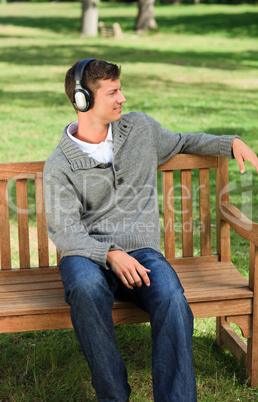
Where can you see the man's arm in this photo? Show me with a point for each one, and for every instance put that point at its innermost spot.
(243, 153)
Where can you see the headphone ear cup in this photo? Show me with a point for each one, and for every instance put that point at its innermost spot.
(82, 99)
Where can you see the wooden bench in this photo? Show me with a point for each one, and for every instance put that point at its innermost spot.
(32, 296)
(107, 31)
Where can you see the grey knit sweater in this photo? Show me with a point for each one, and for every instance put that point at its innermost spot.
(92, 207)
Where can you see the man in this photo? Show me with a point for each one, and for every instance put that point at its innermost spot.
(100, 187)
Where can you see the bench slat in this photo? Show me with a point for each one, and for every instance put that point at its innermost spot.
(202, 266)
(33, 292)
(222, 308)
(27, 287)
(187, 218)
(43, 247)
(187, 161)
(15, 279)
(204, 191)
(22, 170)
(168, 202)
(23, 223)
(4, 227)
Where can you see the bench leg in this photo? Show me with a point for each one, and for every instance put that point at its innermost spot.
(220, 321)
(252, 363)
(226, 337)
(252, 345)
(252, 354)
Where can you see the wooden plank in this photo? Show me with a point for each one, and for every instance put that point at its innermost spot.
(169, 219)
(233, 342)
(22, 170)
(29, 279)
(221, 308)
(53, 289)
(36, 322)
(237, 294)
(193, 260)
(204, 266)
(43, 250)
(187, 161)
(5, 248)
(205, 219)
(29, 271)
(23, 223)
(61, 320)
(33, 305)
(181, 161)
(187, 218)
(217, 275)
(252, 352)
(216, 287)
(222, 197)
(12, 290)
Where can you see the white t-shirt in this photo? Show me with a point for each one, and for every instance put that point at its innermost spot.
(102, 152)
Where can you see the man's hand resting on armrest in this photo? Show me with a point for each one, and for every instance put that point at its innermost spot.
(128, 269)
(243, 153)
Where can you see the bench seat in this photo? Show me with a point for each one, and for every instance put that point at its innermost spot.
(39, 292)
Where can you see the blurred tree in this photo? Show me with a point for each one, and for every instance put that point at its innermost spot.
(89, 19)
(145, 19)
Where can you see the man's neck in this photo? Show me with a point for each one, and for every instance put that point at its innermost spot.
(91, 132)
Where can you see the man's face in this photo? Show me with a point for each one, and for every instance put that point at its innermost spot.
(108, 100)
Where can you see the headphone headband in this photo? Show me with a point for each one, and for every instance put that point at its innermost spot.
(82, 97)
(80, 69)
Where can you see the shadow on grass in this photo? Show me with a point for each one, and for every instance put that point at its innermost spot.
(231, 24)
(60, 55)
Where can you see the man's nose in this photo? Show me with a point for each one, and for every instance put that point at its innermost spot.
(122, 98)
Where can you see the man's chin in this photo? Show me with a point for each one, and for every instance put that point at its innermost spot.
(119, 117)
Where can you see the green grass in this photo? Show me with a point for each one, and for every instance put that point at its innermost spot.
(197, 73)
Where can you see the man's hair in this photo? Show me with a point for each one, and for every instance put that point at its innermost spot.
(93, 72)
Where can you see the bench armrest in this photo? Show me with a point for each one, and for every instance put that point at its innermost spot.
(239, 222)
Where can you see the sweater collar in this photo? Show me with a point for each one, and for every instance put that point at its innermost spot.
(80, 160)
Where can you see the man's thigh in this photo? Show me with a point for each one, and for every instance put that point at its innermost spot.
(80, 273)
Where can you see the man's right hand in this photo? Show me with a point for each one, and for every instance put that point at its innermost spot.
(128, 269)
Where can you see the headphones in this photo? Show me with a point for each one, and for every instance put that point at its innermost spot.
(82, 97)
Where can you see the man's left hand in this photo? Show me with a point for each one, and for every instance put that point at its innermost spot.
(243, 153)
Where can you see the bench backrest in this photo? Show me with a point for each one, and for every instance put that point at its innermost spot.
(22, 207)
(23, 230)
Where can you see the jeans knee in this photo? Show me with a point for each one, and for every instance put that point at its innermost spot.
(172, 305)
(87, 292)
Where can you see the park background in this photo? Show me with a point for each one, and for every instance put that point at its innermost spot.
(197, 72)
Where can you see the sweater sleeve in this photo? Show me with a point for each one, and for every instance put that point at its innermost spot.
(170, 143)
(63, 214)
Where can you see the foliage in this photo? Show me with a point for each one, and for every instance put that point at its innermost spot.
(198, 73)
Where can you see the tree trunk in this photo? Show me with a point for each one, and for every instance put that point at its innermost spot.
(145, 19)
(89, 21)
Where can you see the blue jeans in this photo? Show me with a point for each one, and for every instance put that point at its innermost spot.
(90, 291)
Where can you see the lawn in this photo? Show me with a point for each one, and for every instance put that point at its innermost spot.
(197, 73)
